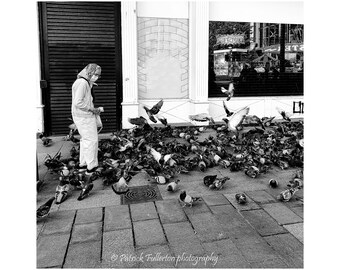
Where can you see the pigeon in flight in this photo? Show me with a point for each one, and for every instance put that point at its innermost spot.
(154, 110)
(285, 115)
(229, 92)
(237, 118)
(229, 113)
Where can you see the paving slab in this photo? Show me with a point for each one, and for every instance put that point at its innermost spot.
(197, 207)
(148, 232)
(261, 196)
(143, 211)
(281, 213)
(298, 210)
(288, 247)
(86, 232)
(170, 211)
(262, 222)
(296, 230)
(228, 255)
(83, 255)
(270, 263)
(59, 222)
(98, 198)
(51, 250)
(39, 229)
(207, 227)
(216, 199)
(157, 256)
(124, 257)
(118, 249)
(182, 239)
(117, 217)
(89, 215)
(234, 225)
(250, 205)
(256, 249)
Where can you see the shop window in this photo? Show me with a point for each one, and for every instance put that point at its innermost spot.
(252, 62)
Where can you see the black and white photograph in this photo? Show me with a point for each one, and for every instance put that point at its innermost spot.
(169, 134)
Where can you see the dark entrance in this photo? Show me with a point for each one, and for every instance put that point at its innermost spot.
(73, 34)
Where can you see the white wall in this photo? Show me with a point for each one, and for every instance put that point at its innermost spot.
(257, 11)
(163, 9)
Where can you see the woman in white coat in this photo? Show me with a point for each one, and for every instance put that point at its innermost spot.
(84, 116)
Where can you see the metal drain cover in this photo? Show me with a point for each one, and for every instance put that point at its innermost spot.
(141, 194)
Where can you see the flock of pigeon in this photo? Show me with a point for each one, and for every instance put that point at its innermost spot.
(166, 152)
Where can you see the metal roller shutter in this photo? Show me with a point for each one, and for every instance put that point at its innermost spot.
(74, 34)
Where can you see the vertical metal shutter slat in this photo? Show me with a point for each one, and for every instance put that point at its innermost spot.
(79, 33)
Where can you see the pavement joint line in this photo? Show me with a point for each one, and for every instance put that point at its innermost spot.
(102, 235)
(69, 240)
(166, 238)
(246, 210)
(273, 234)
(279, 233)
(192, 226)
(132, 228)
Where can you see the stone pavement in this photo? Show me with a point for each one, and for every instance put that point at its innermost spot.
(99, 232)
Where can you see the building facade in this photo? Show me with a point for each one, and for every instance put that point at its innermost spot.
(148, 51)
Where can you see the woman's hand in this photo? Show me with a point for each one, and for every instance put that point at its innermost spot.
(95, 110)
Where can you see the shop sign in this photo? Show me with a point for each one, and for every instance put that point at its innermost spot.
(230, 39)
(289, 48)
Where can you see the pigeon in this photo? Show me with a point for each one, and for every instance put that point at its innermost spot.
(273, 183)
(295, 183)
(209, 179)
(218, 183)
(138, 121)
(285, 115)
(256, 120)
(287, 194)
(160, 179)
(61, 192)
(252, 171)
(45, 140)
(53, 163)
(202, 166)
(229, 113)
(202, 117)
(44, 209)
(237, 118)
(120, 187)
(186, 199)
(154, 110)
(241, 198)
(155, 154)
(229, 92)
(162, 119)
(173, 186)
(87, 187)
(266, 121)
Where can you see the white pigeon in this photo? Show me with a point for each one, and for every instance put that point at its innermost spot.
(173, 186)
(156, 155)
(229, 92)
(237, 118)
